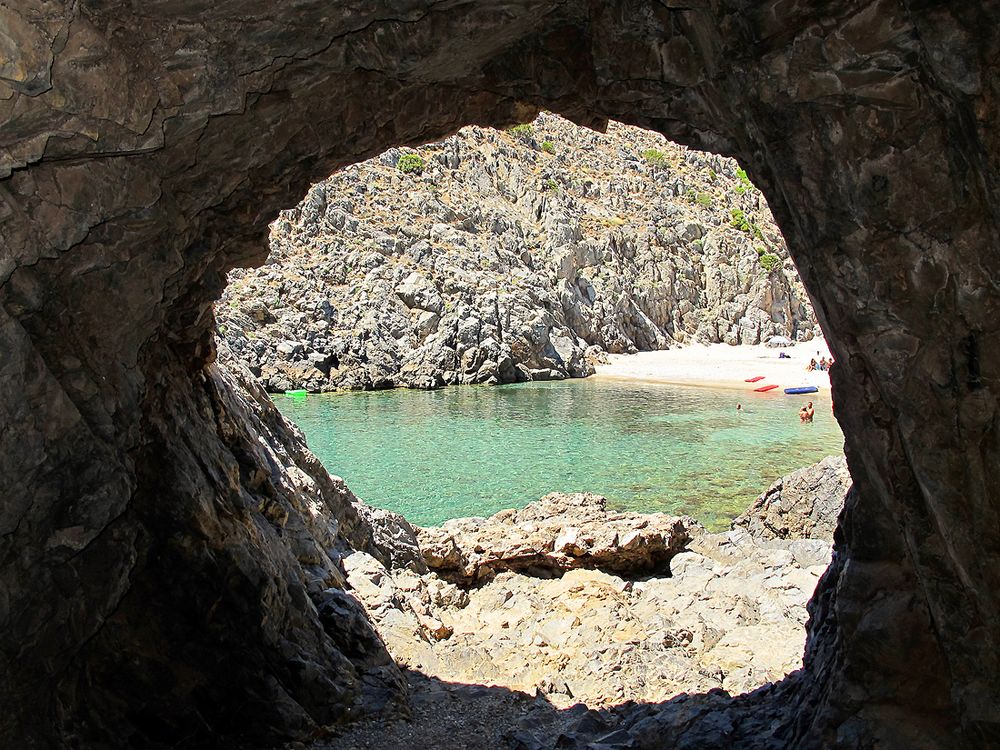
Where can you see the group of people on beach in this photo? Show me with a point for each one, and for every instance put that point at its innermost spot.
(823, 365)
(807, 412)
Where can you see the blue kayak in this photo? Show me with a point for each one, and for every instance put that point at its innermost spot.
(802, 389)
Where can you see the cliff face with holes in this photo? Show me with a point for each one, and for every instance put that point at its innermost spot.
(498, 257)
(145, 150)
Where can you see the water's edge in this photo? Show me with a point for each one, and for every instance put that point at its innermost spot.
(435, 455)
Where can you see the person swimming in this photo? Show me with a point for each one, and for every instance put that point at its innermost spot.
(806, 413)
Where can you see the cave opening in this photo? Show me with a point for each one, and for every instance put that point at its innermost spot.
(534, 255)
(145, 152)
(527, 255)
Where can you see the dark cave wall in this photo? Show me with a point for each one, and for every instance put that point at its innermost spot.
(149, 543)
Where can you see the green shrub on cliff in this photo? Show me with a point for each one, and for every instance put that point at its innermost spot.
(523, 131)
(739, 221)
(548, 147)
(744, 179)
(769, 261)
(702, 199)
(410, 164)
(654, 157)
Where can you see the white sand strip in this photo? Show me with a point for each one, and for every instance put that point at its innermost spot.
(723, 366)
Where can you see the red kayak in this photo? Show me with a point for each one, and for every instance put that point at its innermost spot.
(765, 389)
(754, 380)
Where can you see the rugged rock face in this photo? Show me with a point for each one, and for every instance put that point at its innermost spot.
(731, 615)
(226, 475)
(558, 533)
(145, 150)
(507, 257)
(727, 615)
(805, 504)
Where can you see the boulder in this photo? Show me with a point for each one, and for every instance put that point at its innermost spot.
(417, 291)
(560, 532)
(392, 536)
(803, 505)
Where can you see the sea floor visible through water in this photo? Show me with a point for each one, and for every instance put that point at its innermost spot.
(647, 447)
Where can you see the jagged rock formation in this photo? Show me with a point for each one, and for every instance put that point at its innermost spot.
(507, 258)
(806, 503)
(145, 149)
(227, 474)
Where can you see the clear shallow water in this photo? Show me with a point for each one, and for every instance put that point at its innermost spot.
(473, 450)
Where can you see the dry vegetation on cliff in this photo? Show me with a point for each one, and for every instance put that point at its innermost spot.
(498, 256)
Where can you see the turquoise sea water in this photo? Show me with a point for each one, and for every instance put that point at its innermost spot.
(473, 450)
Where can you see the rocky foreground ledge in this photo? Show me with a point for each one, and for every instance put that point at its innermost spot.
(538, 627)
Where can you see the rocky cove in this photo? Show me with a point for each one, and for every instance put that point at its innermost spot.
(567, 625)
(523, 255)
(171, 555)
(505, 256)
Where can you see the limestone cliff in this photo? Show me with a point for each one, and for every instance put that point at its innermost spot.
(499, 256)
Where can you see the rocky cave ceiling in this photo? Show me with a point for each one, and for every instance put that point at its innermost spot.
(147, 595)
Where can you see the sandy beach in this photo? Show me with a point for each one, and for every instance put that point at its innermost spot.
(723, 366)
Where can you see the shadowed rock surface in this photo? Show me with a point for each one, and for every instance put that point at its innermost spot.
(507, 258)
(147, 598)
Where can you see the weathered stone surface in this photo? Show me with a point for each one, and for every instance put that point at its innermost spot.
(560, 532)
(246, 576)
(145, 150)
(509, 249)
(803, 505)
(392, 536)
(728, 615)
